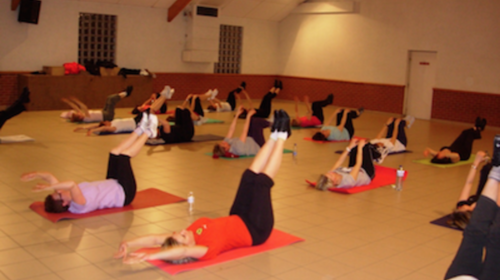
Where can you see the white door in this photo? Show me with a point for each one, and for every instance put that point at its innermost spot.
(421, 79)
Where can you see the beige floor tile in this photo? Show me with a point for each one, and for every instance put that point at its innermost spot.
(378, 234)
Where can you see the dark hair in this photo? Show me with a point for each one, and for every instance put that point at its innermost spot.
(76, 118)
(445, 160)
(323, 183)
(54, 206)
(294, 122)
(318, 136)
(171, 242)
(211, 108)
(218, 151)
(459, 219)
(101, 124)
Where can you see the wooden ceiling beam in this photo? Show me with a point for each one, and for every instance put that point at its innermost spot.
(14, 4)
(175, 8)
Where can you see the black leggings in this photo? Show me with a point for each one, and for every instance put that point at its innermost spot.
(253, 205)
(197, 106)
(317, 109)
(231, 99)
(119, 168)
(256, 130)
(401, 132)
(108, 113)
(182, 131)
(348, 123)
(482, 231)
(367, 163)
(462, 145)
(265, 106)
(13, 110)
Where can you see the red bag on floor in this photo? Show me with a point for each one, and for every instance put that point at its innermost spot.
(72, 68)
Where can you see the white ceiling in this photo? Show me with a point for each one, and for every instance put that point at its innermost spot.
(274, 10)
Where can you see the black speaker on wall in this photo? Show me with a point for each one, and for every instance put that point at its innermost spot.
(29, 11)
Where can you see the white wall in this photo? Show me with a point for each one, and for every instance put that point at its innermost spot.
(372, 45)
(145, 39)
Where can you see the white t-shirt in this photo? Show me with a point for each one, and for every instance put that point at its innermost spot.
(94, 116)
(224, 107)
(123, 125)
(388, 147)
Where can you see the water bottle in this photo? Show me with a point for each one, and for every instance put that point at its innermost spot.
(400, 173)
(294, 151)
(190, 201)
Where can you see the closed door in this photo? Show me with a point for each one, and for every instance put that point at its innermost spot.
(421, 79)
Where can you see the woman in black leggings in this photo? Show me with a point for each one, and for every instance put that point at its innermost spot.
(16, 108)
(461, 148)
(314, 116)
(117, 190)
(482, 234)
(250, 221)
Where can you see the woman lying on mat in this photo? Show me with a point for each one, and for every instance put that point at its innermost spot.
(344, 129)
(193, 101)
(250, 140)
(392, 137)
(314, 116)
(117, 190)
(147, 104)
(250, 221)
(264, 110)
(460, 216)
(127, 124)
(461, 148)
(81, 112)
(479, 253)
(360, 171)
(15, 108)
(229, 105)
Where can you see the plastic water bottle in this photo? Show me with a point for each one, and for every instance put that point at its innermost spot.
(190, 201)
(295, 151)
(400, 173)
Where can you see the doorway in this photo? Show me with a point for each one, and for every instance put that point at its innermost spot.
(420, 83)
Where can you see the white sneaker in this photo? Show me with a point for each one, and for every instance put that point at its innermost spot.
(152, 129)
(209, 94)
(409, 120)
(172, 90)
(165, 92)
(214, 93)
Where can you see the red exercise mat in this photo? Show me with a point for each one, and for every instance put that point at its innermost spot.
(143, 199)
(384, 176)
(276, 240)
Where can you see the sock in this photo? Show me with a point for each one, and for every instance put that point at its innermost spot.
(283, 135)
(138, 130)
(274, 135)
(495, 173)
(123, 94)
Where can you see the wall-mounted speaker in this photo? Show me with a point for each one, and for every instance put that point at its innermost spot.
(29, 11)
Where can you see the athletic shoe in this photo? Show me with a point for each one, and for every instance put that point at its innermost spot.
(409, 120)
(129, 90)
(166, 92)
(284, 122)
(152, 128)
(276, 121)
(243, 85)
(495, 161)
(214, 94)
(329, 99)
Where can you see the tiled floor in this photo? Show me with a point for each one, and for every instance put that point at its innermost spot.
(378, 234)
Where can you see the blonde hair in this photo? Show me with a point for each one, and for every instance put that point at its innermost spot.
(323, 183)
(218, 150)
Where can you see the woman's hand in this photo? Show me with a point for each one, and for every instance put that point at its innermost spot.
(122, 251)
(353, 143)
(251, 112)
(362, 143)
(40, 187)
(30, 176)
(241, 109)
(134, 258)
